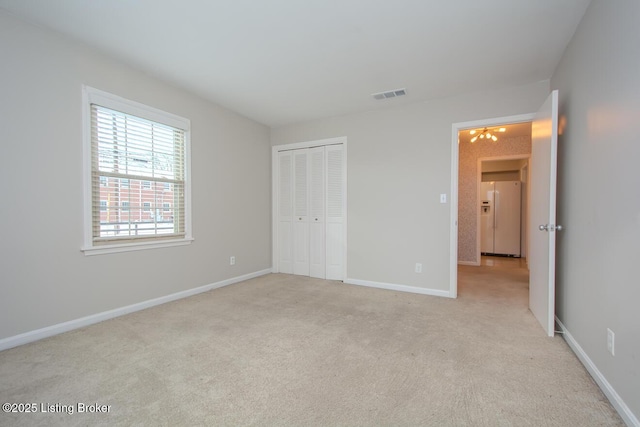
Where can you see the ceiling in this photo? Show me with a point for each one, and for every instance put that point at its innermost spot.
(287, 61)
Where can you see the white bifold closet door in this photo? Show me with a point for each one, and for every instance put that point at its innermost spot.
(301, 212)
(317, 207)
(311, 212)
(285, 212)
(335, 212)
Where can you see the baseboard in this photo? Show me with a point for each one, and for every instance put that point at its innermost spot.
(49, 331)
(474, 263)
(625, 413)
(401, 288)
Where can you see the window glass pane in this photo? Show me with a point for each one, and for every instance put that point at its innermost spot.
(140, 167)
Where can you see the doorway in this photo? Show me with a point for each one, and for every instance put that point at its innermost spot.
(502, 217)
(541, 209)
(503, 200)
(467, 178)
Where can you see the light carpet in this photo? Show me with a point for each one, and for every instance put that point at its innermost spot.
(284, 350)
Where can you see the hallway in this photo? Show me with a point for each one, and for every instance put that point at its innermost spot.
(500, 278)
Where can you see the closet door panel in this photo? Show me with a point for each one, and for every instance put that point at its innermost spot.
(317, 266)
(285, 212)
(301, 212)
(335, 212)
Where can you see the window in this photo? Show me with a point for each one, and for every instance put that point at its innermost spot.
(166, 207)
(136, 148)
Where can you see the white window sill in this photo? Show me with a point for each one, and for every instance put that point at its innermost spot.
(128, 247)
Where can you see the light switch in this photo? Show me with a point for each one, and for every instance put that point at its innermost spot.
(443, 198)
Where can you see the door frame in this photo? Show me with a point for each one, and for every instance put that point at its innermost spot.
(455, 160)
(479, 182)
(341, 140)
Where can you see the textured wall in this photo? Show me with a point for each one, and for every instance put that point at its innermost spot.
(468, 186)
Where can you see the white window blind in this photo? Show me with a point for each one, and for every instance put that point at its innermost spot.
(143, 164)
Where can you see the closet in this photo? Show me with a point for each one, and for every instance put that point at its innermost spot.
(310, 190)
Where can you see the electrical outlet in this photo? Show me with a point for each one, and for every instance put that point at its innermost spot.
(443, 198)
(611, 342)
(418, 267)
(232, 260)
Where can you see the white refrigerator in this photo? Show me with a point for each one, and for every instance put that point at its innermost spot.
(500, 204)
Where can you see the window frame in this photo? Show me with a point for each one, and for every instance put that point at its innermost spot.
(95, 96)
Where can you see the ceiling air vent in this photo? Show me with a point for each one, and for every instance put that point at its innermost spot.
(389, 94)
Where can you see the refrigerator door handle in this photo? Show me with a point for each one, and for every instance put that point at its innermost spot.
(496, 202)
(550, 227)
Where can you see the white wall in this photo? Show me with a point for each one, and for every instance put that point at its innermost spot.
(399, 161)
(44, 277)
(599, 249)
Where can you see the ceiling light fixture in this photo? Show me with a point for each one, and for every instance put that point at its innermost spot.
(485, 134)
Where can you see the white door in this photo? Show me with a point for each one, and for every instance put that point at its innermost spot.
(285, 212)
(542, 237)
(316, 210)
(310, 195)
(336, 211)
(301, 212)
